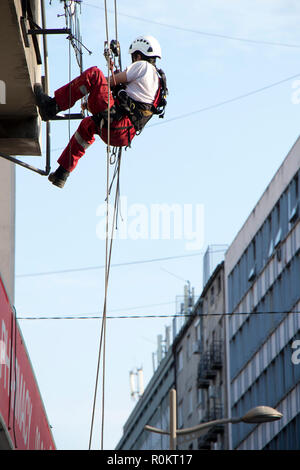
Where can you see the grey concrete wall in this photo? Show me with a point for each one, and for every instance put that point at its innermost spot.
(7, 226)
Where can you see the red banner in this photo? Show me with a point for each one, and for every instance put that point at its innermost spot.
(21, 408)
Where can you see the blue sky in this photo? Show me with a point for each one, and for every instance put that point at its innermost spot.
(222, 159)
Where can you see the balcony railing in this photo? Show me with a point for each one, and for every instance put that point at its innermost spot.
(210, 362)
(205, 441)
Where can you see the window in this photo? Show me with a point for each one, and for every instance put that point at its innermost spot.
(180, 414)
(212, 295)
(254, 250)
(277, 238)
(197, 330)
(270, 239)
(293, 202)
(190, 402)
(200, 397)
(180, 360)
(188, 346)
(219, 284)
(277, 209)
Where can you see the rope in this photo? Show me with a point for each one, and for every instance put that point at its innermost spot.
(70, 96)
(104, 316)
(108, 250)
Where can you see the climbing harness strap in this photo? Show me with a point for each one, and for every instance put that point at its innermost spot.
(160, 101)
(139, 113)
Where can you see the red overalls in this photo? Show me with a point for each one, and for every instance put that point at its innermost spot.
(94, 83)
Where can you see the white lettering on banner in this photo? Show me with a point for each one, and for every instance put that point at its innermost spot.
(16, 381)
(38, 444)
(5, 357)
(23, 404)
(23, 411)
(2, 353)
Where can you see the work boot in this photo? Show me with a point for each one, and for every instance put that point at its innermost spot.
(59, 177)
(48, 107)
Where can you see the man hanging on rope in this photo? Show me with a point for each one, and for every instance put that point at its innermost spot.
(137, 94)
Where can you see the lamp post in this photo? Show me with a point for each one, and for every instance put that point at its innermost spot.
(259, 414)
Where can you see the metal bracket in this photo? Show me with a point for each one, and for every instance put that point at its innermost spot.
(34, 31)
(48, 31)
(47, 169)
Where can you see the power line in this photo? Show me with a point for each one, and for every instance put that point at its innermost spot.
(204, 33)
(134, 317)
(128, 263)
(228, 101)
(221, 103)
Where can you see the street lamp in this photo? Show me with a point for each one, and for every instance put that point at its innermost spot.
(259, 414)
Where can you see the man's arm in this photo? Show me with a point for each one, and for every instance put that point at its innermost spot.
(118, 78)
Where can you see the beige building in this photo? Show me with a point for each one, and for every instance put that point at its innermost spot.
(7, 226)
(212, 364)
(200, 367)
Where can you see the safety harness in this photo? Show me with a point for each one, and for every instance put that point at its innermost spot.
(139, 113)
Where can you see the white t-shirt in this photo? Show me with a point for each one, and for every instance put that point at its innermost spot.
(142, 81)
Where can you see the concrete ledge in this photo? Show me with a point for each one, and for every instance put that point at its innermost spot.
(20, 136)
(19, 126)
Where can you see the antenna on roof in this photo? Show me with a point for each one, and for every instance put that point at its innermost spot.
(136, 379)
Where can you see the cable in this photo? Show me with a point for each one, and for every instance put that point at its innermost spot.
(134, 317)
(128, 263)
(228, 101)
(204, 33)
(221, 103)
(138, 307)
(108, 247)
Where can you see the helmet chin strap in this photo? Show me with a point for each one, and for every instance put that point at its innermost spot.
(135, 57)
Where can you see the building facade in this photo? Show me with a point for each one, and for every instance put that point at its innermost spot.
(186, 356)
(262, 272)
(195, 366)
(7, 227)
(212, 375)
(152, 409)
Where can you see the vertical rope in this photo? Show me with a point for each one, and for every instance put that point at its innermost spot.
(103, 328)
(108, 251)
(70, 91)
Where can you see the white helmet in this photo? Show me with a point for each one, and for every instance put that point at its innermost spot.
(147, 45)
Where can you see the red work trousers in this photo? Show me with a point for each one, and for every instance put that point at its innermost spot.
(93, 83)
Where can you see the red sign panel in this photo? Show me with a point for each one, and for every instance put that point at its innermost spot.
(21, 408)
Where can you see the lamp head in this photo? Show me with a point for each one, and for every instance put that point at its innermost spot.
(261, 414)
